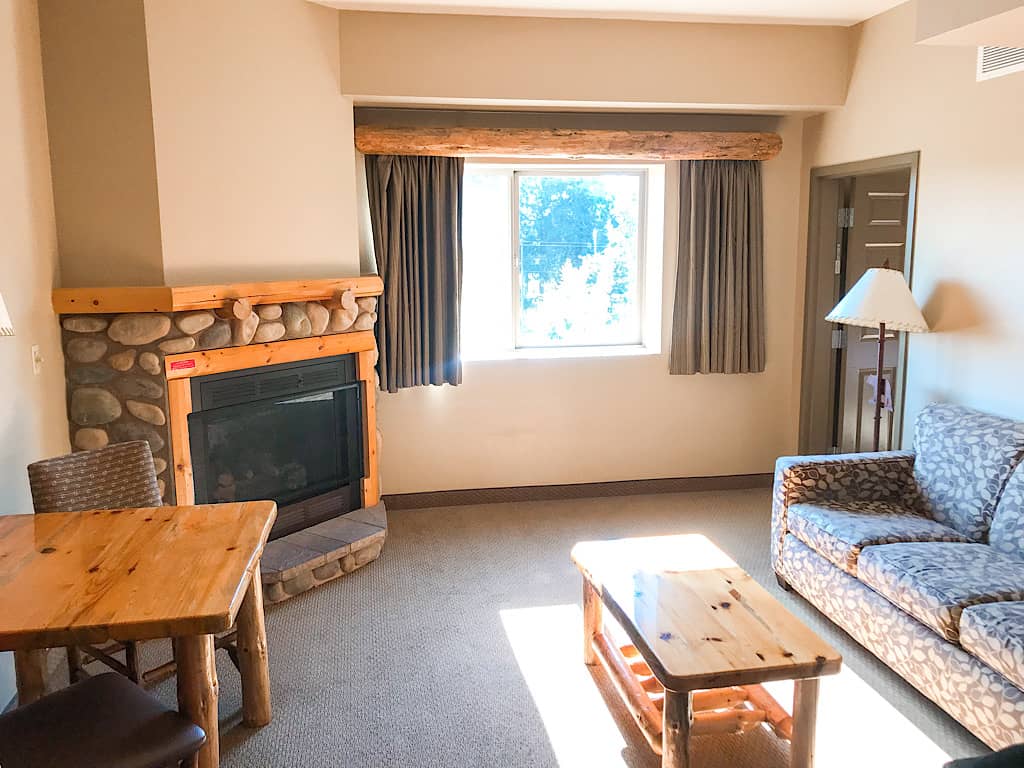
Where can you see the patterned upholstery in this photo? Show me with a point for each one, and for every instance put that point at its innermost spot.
(840, 532)
(1007, 531)
(994, 632)
(833, 521)
(887, 476)
(964, 458)
(934, 582)
(980, 698)
(120, 475)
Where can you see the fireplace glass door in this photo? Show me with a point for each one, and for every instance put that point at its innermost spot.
(301, 447)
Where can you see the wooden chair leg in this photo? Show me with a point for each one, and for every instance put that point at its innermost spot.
(30, 674)
(131, 658)
(75, 671)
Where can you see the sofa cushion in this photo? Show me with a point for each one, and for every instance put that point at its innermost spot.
(994, 632)
(840, 531)
(1007, 531)
(935, 581)
(963, 460)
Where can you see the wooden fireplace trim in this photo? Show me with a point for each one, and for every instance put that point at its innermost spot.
(167, 298)
(182, 367)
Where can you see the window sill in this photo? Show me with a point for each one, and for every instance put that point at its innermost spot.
(560, 353)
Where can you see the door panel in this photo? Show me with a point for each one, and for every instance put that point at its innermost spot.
(878, 235)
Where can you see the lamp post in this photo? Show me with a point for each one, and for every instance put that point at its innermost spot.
(880, 299)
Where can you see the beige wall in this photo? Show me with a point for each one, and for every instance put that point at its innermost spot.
(101, 142)
(967, 269)
(534, 422)
(979, 22)
(199, 141)
(443, 58)
(254, 140)
(32, 421)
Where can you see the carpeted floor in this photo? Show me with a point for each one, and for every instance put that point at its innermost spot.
(460, 646)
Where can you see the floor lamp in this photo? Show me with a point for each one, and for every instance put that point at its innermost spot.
(880, 299)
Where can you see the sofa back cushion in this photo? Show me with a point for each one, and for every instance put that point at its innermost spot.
(1007, 531)
(964, 458)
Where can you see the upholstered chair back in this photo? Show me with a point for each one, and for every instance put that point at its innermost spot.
(119, 475)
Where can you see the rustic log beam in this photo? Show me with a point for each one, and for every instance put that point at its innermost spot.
(644, 712)
(727, 721)
(779, 719)
(252, 656)
(198, 691)
(576, 144)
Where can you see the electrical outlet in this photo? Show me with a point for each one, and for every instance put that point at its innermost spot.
(37, 359)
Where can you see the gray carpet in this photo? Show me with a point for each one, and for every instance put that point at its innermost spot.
(418, 659)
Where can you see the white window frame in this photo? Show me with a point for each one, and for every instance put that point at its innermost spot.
(517, 254)
(650, 236)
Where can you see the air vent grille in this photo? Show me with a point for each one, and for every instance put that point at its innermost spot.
(996, 61)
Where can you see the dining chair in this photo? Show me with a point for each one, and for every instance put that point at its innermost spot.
(121, 475)
(101, 722)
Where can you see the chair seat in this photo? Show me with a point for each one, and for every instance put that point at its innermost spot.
(935, 582)
(840, 532)
(103, 722)
(994, 632)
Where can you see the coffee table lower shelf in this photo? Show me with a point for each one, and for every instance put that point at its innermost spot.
(737, 709)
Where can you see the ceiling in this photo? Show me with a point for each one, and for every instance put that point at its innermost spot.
(842, 12)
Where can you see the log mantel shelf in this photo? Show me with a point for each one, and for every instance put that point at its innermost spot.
(165, 298)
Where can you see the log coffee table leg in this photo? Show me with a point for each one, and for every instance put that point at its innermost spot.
(592, 616)
(28, 671)
(805, 714)
(253, 663)
(675, 735)
(198, 691)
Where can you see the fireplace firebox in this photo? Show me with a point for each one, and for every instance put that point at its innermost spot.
(292, 433)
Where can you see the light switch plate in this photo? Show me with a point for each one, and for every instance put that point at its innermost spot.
(37, 359)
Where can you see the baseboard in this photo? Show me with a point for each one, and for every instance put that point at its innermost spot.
(575, 491)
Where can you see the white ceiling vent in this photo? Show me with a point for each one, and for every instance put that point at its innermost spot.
(996, 61)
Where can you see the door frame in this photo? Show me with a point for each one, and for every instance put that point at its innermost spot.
(820, 176)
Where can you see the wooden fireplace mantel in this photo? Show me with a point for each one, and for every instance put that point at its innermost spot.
(166, 298)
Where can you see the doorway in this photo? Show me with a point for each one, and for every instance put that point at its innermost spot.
(861, 216)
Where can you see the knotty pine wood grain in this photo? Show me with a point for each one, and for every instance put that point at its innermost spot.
(697, 619)
(271, 353)
(168, 298)
(583, 144)
(134, 574)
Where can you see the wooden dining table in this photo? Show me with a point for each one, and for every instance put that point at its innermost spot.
(184, 573)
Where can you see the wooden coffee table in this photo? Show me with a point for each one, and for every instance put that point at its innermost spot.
(704, 636)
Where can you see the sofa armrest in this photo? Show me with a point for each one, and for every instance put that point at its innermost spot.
(885, 476)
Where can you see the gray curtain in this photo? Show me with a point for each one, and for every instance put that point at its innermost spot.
(416, 215)
(718, 317)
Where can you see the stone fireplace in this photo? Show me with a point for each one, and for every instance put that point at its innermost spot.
(249, 391)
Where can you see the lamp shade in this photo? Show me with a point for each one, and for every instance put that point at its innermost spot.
(6, 327)
(880, 296)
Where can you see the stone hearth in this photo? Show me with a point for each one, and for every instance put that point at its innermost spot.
(308, 558)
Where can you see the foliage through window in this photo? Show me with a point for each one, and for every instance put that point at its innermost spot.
(570, 243)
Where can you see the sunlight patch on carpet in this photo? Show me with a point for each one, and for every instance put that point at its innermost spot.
(857, 727)
(548, 646)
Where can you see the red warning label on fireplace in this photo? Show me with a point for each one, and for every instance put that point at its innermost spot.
(181, 365)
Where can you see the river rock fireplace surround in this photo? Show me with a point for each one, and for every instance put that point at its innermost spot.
(257, 390)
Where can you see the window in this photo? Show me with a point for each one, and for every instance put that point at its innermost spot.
(554, 259)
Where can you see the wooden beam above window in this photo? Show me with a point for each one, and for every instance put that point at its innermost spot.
(576, 144)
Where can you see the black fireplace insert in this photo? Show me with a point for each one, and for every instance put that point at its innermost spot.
(292, 433)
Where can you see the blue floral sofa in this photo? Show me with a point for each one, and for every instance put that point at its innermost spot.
(919, 555)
